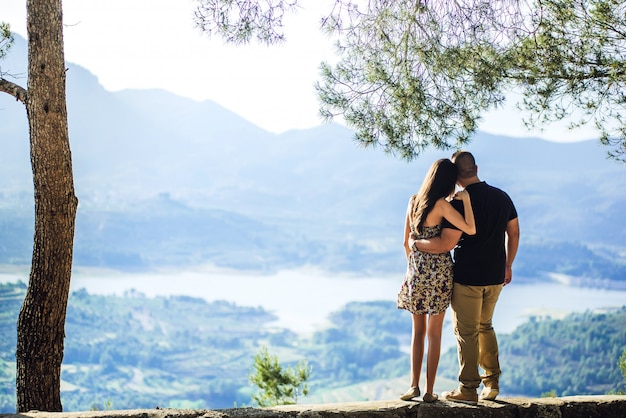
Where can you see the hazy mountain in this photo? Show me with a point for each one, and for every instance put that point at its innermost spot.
(163, 179)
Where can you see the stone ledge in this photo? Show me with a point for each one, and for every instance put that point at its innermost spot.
(565, 407)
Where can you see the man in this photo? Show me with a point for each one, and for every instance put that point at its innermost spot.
(482, 266)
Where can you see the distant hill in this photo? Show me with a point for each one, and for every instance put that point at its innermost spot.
(165, 180)
(131, 351)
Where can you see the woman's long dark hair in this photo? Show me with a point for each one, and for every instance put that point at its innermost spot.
(439, 182)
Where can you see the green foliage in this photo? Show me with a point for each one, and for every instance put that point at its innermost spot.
(573, 64)
(363, 344)
(550, 394)
(11, 297)
(237, 21)
(405, 80)
(6, 39)
(622, 366)
(106, 406)
(413, 75)
(278, 385)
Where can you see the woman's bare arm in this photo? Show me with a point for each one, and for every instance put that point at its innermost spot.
(467, 224)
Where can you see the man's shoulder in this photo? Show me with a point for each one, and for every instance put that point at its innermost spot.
(496, 190)
(483, 185)
(503, 200)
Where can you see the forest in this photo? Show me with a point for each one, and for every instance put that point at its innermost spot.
(131, 351)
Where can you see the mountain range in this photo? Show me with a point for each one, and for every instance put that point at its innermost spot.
(166, 180)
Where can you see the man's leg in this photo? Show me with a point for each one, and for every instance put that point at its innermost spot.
(488, 343)
(466, 308)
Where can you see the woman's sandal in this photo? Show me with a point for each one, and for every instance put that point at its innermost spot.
(414, 392)
(430, 397)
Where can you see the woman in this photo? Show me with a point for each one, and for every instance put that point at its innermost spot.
(427, 286)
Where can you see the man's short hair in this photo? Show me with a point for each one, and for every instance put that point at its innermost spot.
(465, 163)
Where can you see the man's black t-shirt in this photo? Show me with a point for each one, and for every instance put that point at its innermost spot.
(480, 260)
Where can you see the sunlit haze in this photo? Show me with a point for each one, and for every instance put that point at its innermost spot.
(144, 44)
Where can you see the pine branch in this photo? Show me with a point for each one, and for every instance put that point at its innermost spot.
(14, 90)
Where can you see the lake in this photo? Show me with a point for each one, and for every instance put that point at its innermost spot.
(303, 298)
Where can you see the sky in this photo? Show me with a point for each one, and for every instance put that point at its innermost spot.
(145, 44)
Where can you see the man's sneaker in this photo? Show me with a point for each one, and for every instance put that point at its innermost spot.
(490, 391)
(457, 396)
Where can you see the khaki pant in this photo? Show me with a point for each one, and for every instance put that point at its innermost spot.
(472, 311)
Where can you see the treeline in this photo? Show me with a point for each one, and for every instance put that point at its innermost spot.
(576, 356)
(364, 343)
(183, 352)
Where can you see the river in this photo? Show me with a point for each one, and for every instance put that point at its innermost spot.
(303, 298)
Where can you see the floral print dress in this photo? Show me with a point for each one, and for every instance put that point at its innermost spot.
(427, 286)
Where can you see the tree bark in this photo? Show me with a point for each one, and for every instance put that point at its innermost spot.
(41, 323)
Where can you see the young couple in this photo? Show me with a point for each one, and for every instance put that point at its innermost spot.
(480, 223)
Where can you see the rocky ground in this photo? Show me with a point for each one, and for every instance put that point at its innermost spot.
(570, 407)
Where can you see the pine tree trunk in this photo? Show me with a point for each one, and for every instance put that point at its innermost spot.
(41, 323)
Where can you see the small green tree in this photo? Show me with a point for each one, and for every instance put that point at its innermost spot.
(550, 394)
(278, 385)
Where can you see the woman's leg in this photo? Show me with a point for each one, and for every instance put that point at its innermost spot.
(417, 348)
(435, 326)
